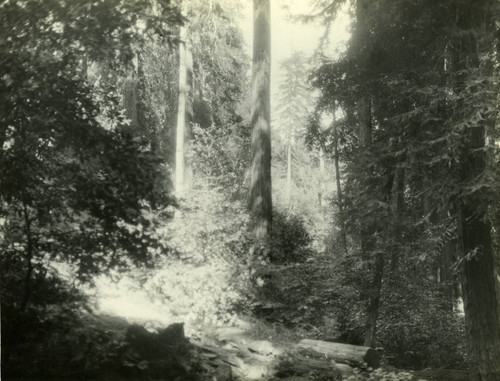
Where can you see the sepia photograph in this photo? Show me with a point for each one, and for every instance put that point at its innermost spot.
(240, 190)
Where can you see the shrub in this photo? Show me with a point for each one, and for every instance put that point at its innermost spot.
(417, 331)
(290, 241)
(209, 276)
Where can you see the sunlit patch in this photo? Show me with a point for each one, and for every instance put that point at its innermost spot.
(124, 299)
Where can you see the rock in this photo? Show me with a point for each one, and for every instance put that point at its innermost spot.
(172, 335)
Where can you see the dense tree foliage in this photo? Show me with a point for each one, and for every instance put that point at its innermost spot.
(418, 141)
(80, 195)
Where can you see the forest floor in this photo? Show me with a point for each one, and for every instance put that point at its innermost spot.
(248, 349)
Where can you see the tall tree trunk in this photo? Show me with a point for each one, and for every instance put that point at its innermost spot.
(28, 287)
(180, 141)
(480, 302)
(374, 300)
(188, 133)
(261, 201)
(367, 230)
(340, 197)
(289, 173)
(478, 276)
(377, 255)
(368, 244)
(365, 121)
(321, 191)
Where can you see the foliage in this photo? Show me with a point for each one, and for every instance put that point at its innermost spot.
(221, 156)
(79, 345)
(73, 184)
(157, 79)
(420, 124)
(290, 240)
(79, 196)
(32, 339)
(210, 277)
(219, 60)
(294, 102)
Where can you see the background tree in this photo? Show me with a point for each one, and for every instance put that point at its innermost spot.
(292, 110)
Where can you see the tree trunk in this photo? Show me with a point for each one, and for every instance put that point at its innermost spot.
(29, 258)
(188, 132)
(289, 173)
(183, 171)
(367, 231)
(181, 116)
(321, 191)
(365, 121)
(478, 276)
(340, 198)
(261, 201)
(480, 302)
(374, 300)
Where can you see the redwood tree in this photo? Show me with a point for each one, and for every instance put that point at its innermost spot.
(472, 25)
(261, 201)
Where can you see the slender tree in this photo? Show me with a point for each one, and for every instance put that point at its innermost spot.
(293, 107)
(340, 198)
(180, 141)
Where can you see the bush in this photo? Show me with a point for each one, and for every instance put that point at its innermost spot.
(209, 277)
(417, 332)
(34, 338)
(290, 241)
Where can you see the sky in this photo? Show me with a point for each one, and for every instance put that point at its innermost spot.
(288, 36)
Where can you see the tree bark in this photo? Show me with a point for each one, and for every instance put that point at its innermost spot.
(365, 121)
(321, 158)
(289, 173)
(340, 197)
(478, 276)
(29, 258)
(374, 300)
(188, 133)
(261, 201)
(368, 244)
(181, 115)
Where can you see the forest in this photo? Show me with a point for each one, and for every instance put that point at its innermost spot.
(343, 226)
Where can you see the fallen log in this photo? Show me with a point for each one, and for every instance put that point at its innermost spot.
(344, 353)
